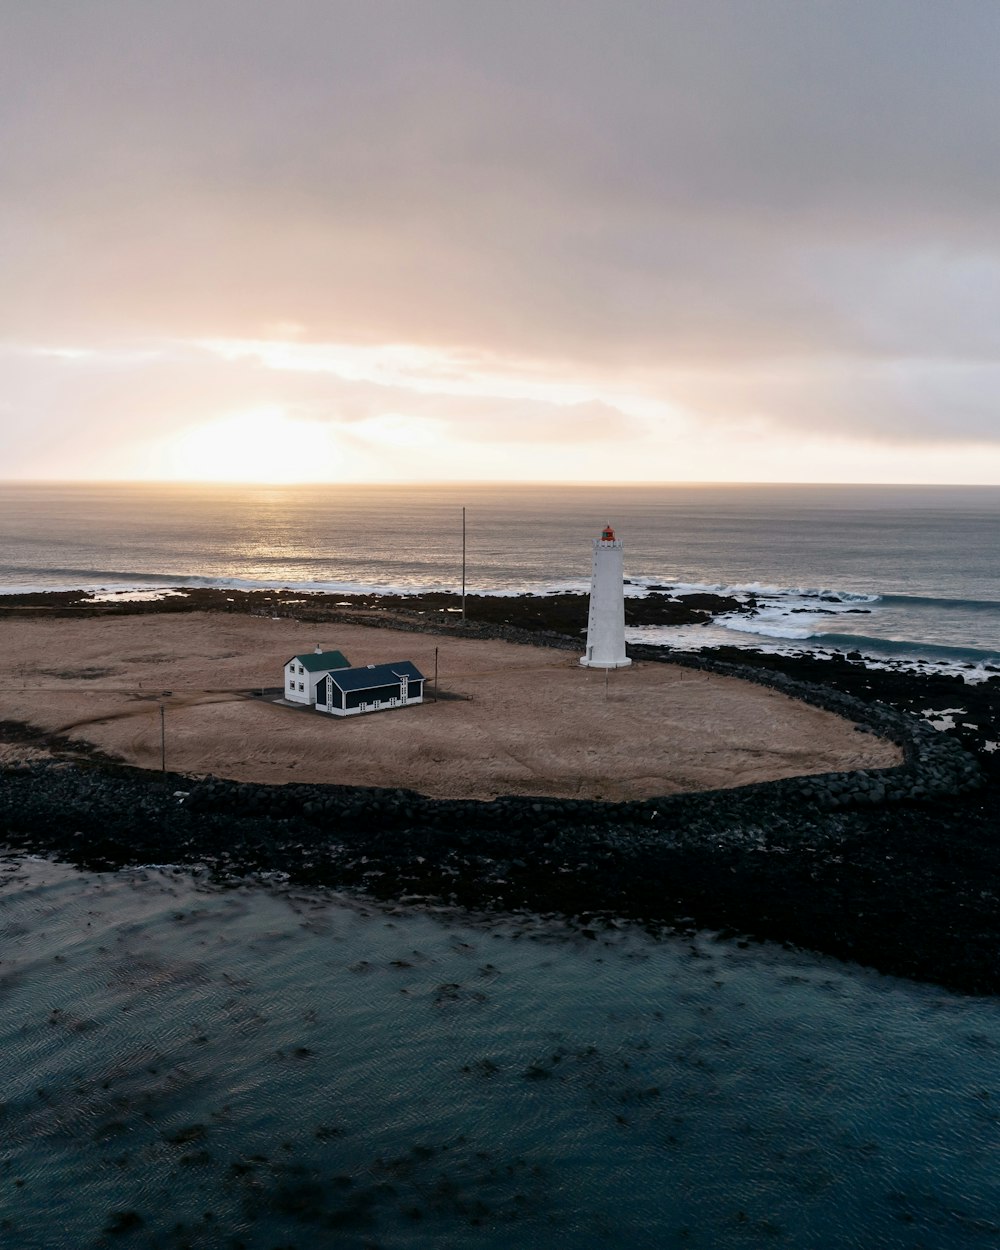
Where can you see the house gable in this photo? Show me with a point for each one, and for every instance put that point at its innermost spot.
(320, 661)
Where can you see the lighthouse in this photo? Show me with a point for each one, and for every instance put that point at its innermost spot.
(606, 623)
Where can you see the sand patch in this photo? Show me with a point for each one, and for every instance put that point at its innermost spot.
(526, 720)
(14, 753)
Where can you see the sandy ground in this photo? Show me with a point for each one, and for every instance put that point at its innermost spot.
(530, 720)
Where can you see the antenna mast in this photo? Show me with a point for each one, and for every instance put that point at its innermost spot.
(463, 566)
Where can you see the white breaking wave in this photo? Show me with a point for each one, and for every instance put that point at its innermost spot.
(99, 588)
(759, 590)
(135, 596)
(788, 613)
(943, 718)
(765, 626)
(635, 587)
(714, 634)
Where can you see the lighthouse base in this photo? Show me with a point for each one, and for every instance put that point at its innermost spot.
(588, 663)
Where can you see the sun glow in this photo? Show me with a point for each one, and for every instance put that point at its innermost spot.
(261, 445)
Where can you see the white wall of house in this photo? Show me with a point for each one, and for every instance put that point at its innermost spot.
(300, 685)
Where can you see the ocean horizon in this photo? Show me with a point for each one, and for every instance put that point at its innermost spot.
(899, 574)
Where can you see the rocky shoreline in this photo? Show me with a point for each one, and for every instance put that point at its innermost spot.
(897, 869)
(559, 613)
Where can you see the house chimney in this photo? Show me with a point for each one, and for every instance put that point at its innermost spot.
(319, 649)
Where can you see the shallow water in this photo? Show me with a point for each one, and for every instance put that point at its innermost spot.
(267, 1068)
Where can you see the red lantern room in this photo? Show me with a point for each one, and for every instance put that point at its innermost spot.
(607, 534)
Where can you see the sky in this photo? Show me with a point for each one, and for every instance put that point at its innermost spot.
(546, 240)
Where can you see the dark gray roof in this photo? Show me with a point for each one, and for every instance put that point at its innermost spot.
(375, 675)
(321, 661)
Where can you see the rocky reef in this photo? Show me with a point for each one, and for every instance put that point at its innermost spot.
(557, 613)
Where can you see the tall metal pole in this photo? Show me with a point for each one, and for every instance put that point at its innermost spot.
(435, 674)
(163, 741)
(463, 566)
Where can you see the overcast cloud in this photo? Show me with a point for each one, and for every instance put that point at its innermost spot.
(677, 216)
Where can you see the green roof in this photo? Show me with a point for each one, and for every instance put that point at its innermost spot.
(322, 661)
(373, 675)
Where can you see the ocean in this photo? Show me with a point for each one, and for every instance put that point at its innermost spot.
(901, 574)
(257, 1067)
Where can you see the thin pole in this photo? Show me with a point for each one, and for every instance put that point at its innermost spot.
(607, 673)
(435, 674)
(463, 566)
(163, 741)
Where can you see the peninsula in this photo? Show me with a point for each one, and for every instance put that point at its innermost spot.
(804, 800)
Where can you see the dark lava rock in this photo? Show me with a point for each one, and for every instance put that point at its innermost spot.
(896, 868)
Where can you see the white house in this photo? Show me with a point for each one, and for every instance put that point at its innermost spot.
(606, 622)
(304, 672)
(351, 691)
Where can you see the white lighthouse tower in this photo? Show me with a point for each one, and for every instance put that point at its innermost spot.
(606, 624)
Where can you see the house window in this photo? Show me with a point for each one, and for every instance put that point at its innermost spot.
(301, 687)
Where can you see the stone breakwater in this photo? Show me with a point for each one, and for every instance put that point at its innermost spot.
(895, 868)
(934, 764)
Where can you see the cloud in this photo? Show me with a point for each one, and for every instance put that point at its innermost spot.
(906, 401)
(776, 213)
(110, 408)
